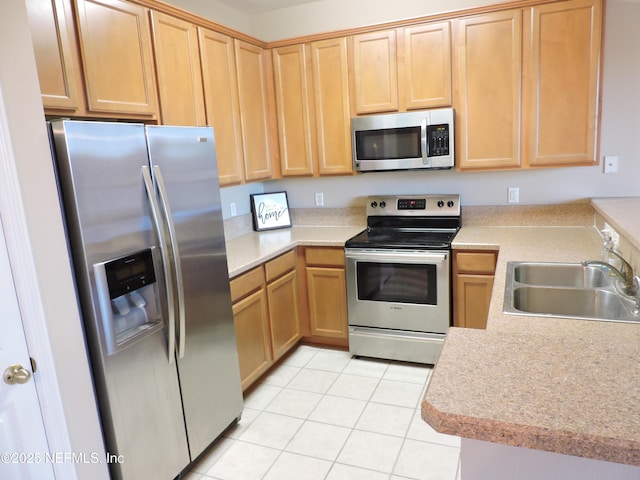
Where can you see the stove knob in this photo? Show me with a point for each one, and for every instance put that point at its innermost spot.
(450, 204)
(440, 203)
(383, 204)
(374, 204)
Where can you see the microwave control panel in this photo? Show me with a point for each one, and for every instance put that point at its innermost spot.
(438, 138)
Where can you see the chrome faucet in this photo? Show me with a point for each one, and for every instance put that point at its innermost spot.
(631, 284)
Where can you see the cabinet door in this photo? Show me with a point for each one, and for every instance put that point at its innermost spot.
(472, 295)
(252, 336)
(54, 45)
(331, 105)
(375, 73)
(283, 313)
(217, 58)
(424, 66)
(488, 77)
(177, 57)
(116, 52)
(327, 302)
(293, 112)
(255, 113)
(561, 98)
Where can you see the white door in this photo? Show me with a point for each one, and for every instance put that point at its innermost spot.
(23, 444)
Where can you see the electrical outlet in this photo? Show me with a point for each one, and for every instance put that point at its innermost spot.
(232, 207)
(319, 199)
(513, 195)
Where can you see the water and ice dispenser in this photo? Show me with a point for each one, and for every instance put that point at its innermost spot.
(128, 296)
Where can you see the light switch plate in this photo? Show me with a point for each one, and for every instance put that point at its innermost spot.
(610, 164)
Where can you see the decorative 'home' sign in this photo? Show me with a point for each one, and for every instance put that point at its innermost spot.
(270, 210)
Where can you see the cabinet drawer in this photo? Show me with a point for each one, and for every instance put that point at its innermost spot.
(280, 265)
(476, 262)
(325, 256)
(246, 283)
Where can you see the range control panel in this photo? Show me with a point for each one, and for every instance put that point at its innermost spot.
(414, 205)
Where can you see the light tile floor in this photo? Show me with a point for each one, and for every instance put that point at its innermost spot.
(321, 414)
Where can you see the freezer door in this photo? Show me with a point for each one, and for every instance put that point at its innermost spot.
(183, 161)
(108, 224)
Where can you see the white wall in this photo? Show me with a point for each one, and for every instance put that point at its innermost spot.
(620, 131)
(330, 15)
(491, 461)
(216, 11)
(38, 255)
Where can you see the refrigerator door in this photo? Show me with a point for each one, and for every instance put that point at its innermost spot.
(183, 161)
(121, 288)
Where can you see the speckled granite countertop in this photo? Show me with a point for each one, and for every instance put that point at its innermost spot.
(622, 214)
(553, 384)
(250, 250)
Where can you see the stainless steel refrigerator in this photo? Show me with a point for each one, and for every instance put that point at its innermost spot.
(144, 223)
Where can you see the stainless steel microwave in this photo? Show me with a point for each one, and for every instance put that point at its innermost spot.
(403, 141)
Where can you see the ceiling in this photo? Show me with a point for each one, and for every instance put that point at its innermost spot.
(258, 6)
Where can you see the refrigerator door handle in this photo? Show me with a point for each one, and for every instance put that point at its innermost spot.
(155, 209)
(162, 190)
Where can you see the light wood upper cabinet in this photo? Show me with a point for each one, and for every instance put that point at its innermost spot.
(488, 86)
(331, 105)
(218, 62)
(255, 93)
(178, 71)
(292, 89)
(54, 45)
(424, 66)
(561, 94)
(374, 70)
(115, 43)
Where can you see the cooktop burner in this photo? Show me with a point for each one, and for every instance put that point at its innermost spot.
(390, 238)
(428, 222)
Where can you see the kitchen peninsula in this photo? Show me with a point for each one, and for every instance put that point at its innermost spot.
(556, 385)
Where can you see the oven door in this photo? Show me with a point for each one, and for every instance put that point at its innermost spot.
(399, 289)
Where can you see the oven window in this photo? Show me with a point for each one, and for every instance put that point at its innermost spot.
(389, 143)
(397, 282)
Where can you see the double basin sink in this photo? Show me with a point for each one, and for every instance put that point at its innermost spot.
(568, 290)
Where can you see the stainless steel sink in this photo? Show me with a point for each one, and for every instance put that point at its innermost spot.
(568, 290)
(560, 275)
(569, 302)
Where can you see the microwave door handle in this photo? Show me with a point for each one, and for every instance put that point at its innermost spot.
(424, 143)
(155, 209)
(177, 263)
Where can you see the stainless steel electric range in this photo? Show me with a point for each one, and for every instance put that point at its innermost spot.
(399, 277)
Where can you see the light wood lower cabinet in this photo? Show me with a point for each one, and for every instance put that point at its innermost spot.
(251, 319)
(282, 297)
(265, 312)
(326, 295)
(473, 274)
(252, 336)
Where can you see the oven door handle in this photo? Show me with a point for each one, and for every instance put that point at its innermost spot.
(397, 256)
